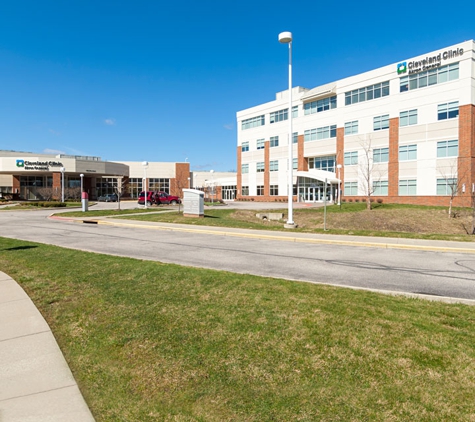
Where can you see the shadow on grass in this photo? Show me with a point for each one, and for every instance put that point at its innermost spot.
(19, 248)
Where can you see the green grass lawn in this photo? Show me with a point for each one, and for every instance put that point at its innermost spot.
(153, 342)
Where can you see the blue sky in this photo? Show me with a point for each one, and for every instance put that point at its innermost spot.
(162, 81)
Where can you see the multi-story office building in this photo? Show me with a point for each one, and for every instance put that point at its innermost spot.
(404, 132)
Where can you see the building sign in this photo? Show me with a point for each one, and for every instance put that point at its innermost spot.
(428, 63)
(37, 165)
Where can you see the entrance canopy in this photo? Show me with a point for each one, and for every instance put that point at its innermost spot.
(318, 175)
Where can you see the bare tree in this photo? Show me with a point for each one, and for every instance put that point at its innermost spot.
(368, 172)
(120, 189)
(45, 193)
(453, 183)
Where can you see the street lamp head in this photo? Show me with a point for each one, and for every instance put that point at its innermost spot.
(145, 164)
(211, 171)
(62, 169)
(285, 37)
(81, 175)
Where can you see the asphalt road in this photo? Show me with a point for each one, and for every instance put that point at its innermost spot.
(437, 274)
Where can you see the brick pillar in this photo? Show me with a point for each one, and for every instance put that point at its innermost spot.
(180, 182)
(239, 174)
(393, 165)
(466, 158)
(302, 162)
(57, 186)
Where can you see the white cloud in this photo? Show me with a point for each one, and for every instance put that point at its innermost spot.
(109, 122)
(54, 132)
(229, 127)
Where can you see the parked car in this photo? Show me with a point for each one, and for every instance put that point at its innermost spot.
(158, 197)
(110, 197)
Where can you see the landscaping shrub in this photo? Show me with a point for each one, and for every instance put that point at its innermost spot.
(379, 201)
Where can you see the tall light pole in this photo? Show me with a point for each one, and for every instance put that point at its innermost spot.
(145, 165)
(82, 183)
(339, 166)
(212, 185)
(62, 170)
(286, 38)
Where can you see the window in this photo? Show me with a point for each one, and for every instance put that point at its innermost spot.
(320, 105)
(260, 167)
(326, 163)
(350, 188)
(261, 144)
(295, 163)
(351, 158)
(274, 190)
(351, 127)
(159, 184)
(380, 187)
(245, 191)
(448, 110)
(295, 112)
(295, 137)
(245, 146)
(274, 141)
(448, 148)
(324, 132)
(380, 155)
(446, 186)
(381, 122)
(407, 152)
(252, 122)
(407, 187)
(244, 168)
(279, 116)
(407, 118)
(370, 92)
(274, 165)
(260, 190)
(435, 76)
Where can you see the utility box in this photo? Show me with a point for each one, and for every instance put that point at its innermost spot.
(84, 201)
(193, 203)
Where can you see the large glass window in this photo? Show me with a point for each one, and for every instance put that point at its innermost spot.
(435, 76)
(260, 190)
(446, 186)
(274, 165)
(260, 167)
(381, 122)
(407, 187)
(407, 118)
(274, 141)
(448, 110)
(295, 137)
(407, 152)
(278, 116)
(295, 112)
(295, 163)
(324, 132)
(252, 122)
(135, 186)
(350, 188)
(245, 146)
(448, 148)
(245, 190)
(326, 163)
(351, 158)
(380, 155)
(159, 184)
(351, 127)
(367, 93)
(244, 168)
(274, 190)
(320, 105)
(260, 144)
(380, 187)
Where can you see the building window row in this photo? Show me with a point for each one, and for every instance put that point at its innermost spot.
(326, 163)
(274, 165)
(279, 116)
(351, 128)
(260, 167)
(351, 158)
(274, 141)
(245, 146)
(381, 155)
(381, 122)
(407, 118)
(253, 122)
(367, 93)
(448, 110)
(260, 144)
(430, 77)
(324, 132)
(320, 105)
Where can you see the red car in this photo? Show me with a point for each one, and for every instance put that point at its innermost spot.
(158, 197)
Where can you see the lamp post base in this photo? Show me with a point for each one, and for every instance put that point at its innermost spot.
(290, 226)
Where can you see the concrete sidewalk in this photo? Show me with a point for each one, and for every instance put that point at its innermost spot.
(36, 383)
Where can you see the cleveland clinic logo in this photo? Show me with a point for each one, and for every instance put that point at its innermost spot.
(402, 68)
(20, 163)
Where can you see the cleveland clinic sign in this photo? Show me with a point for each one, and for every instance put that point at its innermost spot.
(37, 165)
(428, 63)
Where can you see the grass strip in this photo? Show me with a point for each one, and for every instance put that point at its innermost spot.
(148, 341)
